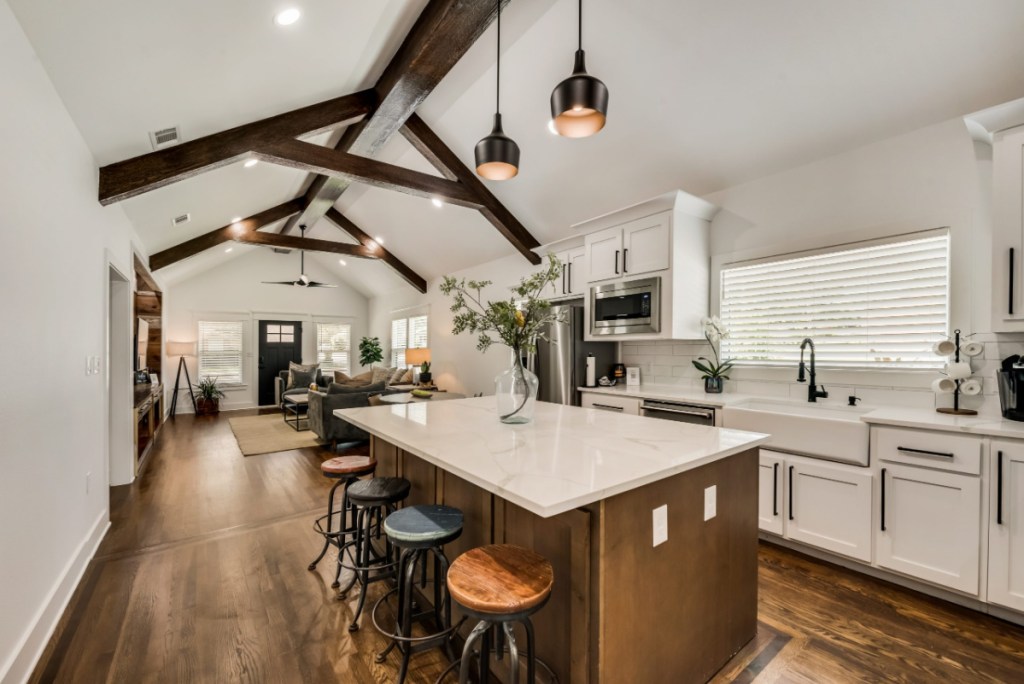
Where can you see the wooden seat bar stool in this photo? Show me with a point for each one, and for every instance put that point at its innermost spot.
(500, 585)
(345, 470)
(420, 532)
(374, 500)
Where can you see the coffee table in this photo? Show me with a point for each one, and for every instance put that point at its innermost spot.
(296, 406)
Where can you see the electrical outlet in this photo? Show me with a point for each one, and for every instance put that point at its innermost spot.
(660, 520)
(710, 502)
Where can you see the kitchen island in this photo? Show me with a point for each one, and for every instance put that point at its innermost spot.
(634, 600)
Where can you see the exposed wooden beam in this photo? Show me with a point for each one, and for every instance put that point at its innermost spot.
(306, 156)
(221, 235)
(423, 138)
(410, 276)
(442, 34)
(132, 177)
(144, 281)
(308, 244)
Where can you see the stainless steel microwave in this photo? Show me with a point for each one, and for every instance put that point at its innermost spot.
(626, 307)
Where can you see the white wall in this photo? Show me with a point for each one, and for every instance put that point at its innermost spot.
(53, 423)
(234, 291)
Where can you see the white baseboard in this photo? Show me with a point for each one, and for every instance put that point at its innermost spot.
(26, 654)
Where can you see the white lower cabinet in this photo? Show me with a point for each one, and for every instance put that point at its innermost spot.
(606, 402)
(822, 504)
(930, 525)
(1006, 525)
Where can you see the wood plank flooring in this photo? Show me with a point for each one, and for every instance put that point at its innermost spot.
(202, 578)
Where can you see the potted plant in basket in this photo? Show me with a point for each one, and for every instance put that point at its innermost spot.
(208, 401)
(518, 322)
(714, 372)
(370, 351)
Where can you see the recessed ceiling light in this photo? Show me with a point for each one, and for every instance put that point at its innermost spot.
(342, 262)
(228, 249)
(236, 219)
(551, 127)
(437, 202)
(287, 17)
(379, 239)
(251, 163)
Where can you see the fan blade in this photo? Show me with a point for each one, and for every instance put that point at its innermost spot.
(279, 282)
(313, 283)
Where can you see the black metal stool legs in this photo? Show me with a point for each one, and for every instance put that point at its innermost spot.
(330, 516)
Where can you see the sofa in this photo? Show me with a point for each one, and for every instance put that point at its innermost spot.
(282, 382)
(322, 405)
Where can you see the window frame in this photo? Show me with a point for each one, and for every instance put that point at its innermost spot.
(241, 350)
(316, 331)
(395, 349)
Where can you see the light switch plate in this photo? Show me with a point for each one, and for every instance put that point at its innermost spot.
(710, 502)
(660, 519)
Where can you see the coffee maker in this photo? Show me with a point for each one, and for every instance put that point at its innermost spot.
(1011, 388)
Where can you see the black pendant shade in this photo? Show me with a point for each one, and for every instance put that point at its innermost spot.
(579, 104)
(497, 155)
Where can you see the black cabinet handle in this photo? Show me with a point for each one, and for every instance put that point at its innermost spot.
(999, 489)
(569, 288)
(790, 492)
(563, 279)
(624, 253)
(908, 450)
(883, 499)
(616, 262)
(775, 489)
(1013, 265)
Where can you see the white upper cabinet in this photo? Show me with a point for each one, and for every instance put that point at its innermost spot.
(1008, 231)
(646, 245)
(604, 251)
(576, 278)
(1006, 525)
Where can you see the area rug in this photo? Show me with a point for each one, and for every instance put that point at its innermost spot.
(267, 434)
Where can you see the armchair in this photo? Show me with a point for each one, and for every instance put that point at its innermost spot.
(282, 381)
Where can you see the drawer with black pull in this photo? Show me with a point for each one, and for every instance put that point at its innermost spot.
(938, 450)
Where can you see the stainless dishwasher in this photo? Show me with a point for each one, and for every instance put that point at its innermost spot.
(683, 413)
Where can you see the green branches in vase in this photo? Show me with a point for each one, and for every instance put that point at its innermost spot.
(517, 322)
(717, 371)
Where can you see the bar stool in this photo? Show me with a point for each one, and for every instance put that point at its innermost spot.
(346, 470)
(417, 532)
(373, 500)
(499, 585)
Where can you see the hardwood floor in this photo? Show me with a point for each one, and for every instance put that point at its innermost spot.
(202, 578)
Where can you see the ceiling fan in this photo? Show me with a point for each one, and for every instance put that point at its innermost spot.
(304, 280)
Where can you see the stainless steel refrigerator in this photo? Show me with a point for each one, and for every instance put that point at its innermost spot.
(561, 362)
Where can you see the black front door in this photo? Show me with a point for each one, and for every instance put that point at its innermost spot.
(280, 342)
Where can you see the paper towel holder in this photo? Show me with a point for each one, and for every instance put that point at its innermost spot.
(955, 409)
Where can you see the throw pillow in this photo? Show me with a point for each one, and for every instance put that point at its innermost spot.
(362, 378)
(379, 375)
(396, 376)
(300, 375)
(341, 377)
(406, 377)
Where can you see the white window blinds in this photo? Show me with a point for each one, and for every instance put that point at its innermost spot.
(220, 351)
(879, 307)
(407, 333)
(333, 346)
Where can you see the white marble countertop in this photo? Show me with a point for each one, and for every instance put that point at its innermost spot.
(671, 393)
(565, 458)
(929, 419)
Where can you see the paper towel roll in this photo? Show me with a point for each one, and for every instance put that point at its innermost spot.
(943, 386)
(959, 370)
(970, 387)
(591, 370)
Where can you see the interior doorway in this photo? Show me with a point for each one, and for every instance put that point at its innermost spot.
(280, 342)
(119, 365)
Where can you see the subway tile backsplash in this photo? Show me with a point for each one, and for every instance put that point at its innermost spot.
(670, 363)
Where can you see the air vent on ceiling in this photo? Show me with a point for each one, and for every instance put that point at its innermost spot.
(181, 220)
(165, 137)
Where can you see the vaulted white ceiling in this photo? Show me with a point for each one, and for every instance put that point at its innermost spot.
(703, 96)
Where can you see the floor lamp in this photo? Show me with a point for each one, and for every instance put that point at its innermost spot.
(181, 349)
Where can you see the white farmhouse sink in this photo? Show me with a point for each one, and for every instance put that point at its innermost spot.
(835, 433)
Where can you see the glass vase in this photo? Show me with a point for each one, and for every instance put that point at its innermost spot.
(516, 392)
(713, 385)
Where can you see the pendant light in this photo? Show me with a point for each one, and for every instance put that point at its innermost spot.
(497, 155)
(579, 104)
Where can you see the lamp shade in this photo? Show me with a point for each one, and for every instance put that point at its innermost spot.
(415, 357)
(579, 104)
(181, 348)
(497, 155)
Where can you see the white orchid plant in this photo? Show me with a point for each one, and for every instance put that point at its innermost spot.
(714, 332)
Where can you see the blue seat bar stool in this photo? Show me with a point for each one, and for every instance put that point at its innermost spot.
(345, 470)
(373, 500)
(419, 533)
(499, 585)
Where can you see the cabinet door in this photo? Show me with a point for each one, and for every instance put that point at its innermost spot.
(604, 249)
(645, 244)
(1006, 525)
(930, 526)
(606, 402)
(770, 493)
(576, 279)
(559, 288)
(1008, 232)
(829, 506)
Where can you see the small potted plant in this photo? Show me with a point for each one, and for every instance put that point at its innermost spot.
(208, 401)
(713, 372)
(370, 351)
(425, 376)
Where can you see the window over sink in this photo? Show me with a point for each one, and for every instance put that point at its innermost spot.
(878, 305)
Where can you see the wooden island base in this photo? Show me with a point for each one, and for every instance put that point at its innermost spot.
(623, 610)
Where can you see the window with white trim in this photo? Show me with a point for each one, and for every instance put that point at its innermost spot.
(879, 307)
(220, 351)
(407, 333)
(333, 346)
